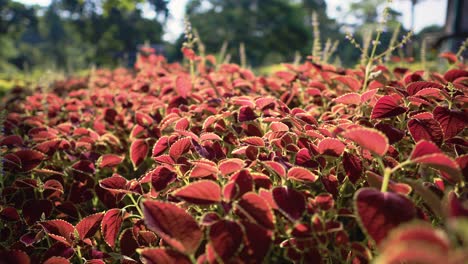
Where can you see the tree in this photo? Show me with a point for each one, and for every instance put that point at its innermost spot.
(272, 30)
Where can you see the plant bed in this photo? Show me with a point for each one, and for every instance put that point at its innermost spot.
(217, 165)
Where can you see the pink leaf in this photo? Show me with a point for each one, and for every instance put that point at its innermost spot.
(387, 106)
(380, 212)
(368, 138)
(331, 147)
(301, 174)
(173, 224)
(138, 152)
(110, 226)
(202, 192)
(183, 85)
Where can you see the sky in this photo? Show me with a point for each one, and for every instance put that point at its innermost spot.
(427, 12)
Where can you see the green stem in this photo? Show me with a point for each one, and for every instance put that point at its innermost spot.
(388, 172)
(136, 205)
(371, 60)
(80, 257)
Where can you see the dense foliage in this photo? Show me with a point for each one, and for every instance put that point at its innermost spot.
(222, 166)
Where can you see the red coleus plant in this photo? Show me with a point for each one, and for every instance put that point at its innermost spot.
(302, 166)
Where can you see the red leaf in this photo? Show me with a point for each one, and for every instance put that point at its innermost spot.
(415, 87)
(331, 147)
(202, 192)
(254, 141)
(173, 224)
(290, 202)
(379, 212)
(59, 230)
(203, 168)
(115, 184)
(427, 129)
(109, 160)
(57, 260)
(256, 209)
(450, 56)
(424, 148)
(348, 99)
(276, 167)
(14, 256)
(387, 106)
(138, 152)
(127, 242)
(110, 226)
(301, 174)
(278, 127)
(162, 256)
(258, 242)
(393, 134)
(416, 242)
(160, 146)
(229, 166)
(368, 138)
(33, 210)
(183, 85)
(453, 74)
(226, 238)
(246, 114)
(30, 159)
(352, 165)
(161, 177)
(441, 162)
(89, 225)
(451, 121)
(349, 81)
(9, 214)
(180, 147)
(143, 119)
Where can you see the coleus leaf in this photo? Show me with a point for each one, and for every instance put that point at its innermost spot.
(14, 256)
(301, 174)
(59, 230)
(290, 202)
(276, 167)
(203, 168)
(202, 192)
(246, 114)
(89, 225)
(228, 166)
(138, 152)
(387, 106)
(29, 158)
(109, 161)
(453, 74)
(34, 209)
(451, 121)
(352, 165)
(183, 85)
(450, 56)
(180, 147)
(368, 138)
(415, 87)
(331, 146)
(425, 129)
(380, 212)
(258, 242)
(162, 256)
(429, 154)
(160, 146)
(256, 209)
(173, 224)
(226, 239)
(57, 260)
(110, 225)
(416, 242)
(349, 81)
(348, 99)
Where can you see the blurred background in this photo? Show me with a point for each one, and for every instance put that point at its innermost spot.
(72, 35)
